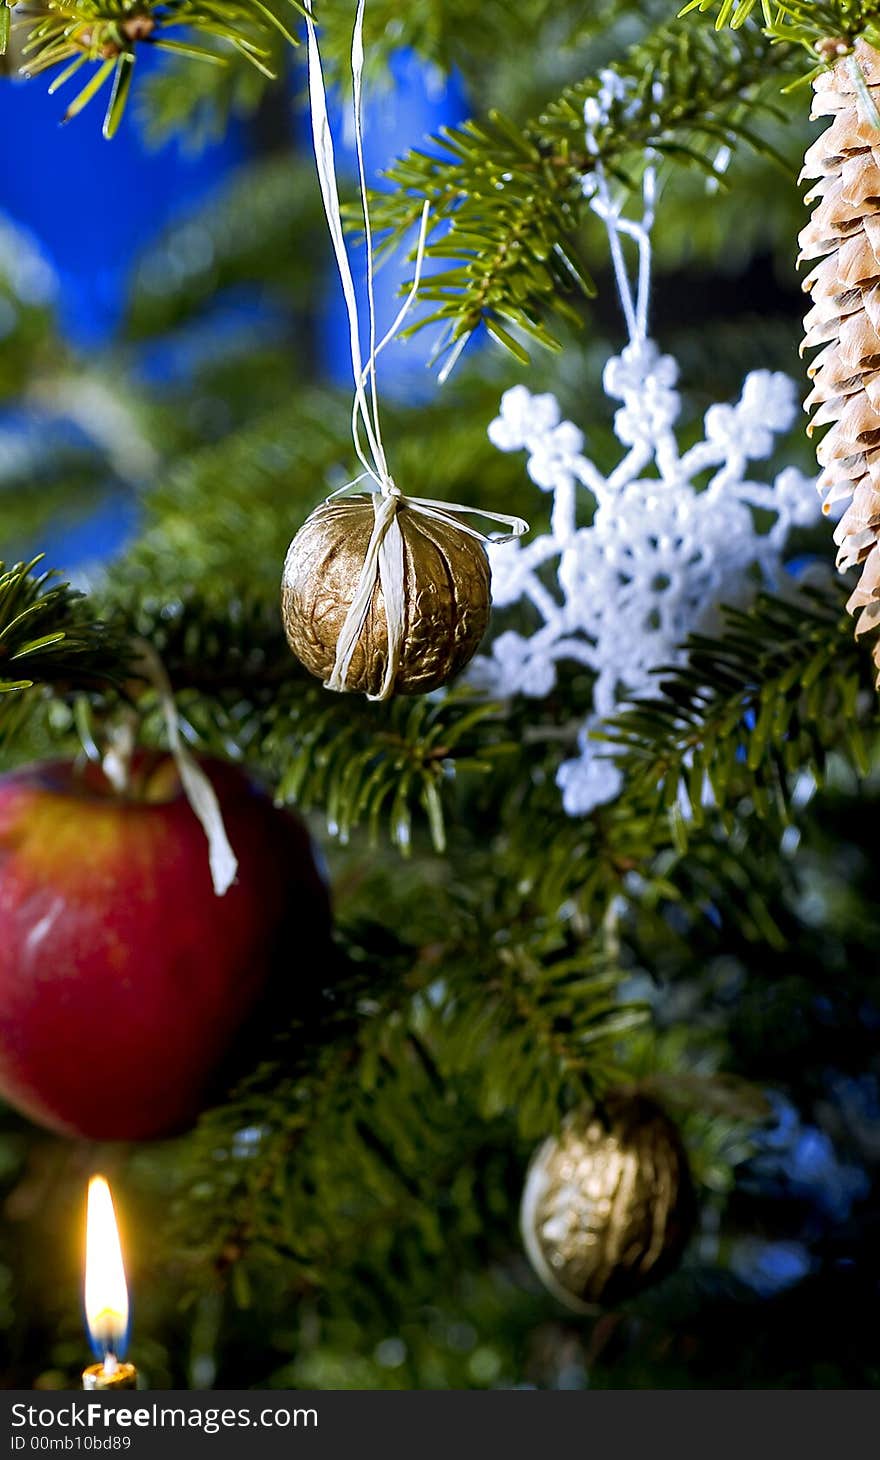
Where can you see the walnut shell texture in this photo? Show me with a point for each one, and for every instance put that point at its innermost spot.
(446, 590)
(608, 1205)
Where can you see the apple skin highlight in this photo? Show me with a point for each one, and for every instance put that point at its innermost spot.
(124, 980)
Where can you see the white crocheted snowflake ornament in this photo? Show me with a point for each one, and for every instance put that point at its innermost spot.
(636, 560)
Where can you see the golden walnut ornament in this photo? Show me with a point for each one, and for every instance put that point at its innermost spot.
(445, 597)
(608, 1205)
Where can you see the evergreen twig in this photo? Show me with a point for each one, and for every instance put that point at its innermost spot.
(48, 639)
(100, 40)
(508, 201)
(747, 714)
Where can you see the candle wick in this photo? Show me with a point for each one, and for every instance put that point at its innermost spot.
(111, 1364)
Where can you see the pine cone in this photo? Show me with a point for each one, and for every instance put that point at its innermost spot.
(844, 232)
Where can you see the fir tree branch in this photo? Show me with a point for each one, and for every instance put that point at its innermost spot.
(452, 33)
(810, 23)
(414, 1048)
(748, 713)
(363, 769)
(98, 41)
(45, 635)
(392, 769)
(507, 201)
(448, 35)
(539, 1034)
(47, 642)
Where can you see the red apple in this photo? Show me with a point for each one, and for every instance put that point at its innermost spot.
(123, 978)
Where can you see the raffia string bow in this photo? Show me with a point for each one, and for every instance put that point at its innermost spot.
(381, 592)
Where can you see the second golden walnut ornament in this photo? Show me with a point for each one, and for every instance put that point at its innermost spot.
(608, 1204)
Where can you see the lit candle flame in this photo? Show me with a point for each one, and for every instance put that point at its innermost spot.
(106, 1291)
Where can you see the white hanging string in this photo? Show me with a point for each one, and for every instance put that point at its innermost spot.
(643, 237)
(326, 164)
(634, 304)
(384, 558)
(357, 77)
(197, 788)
